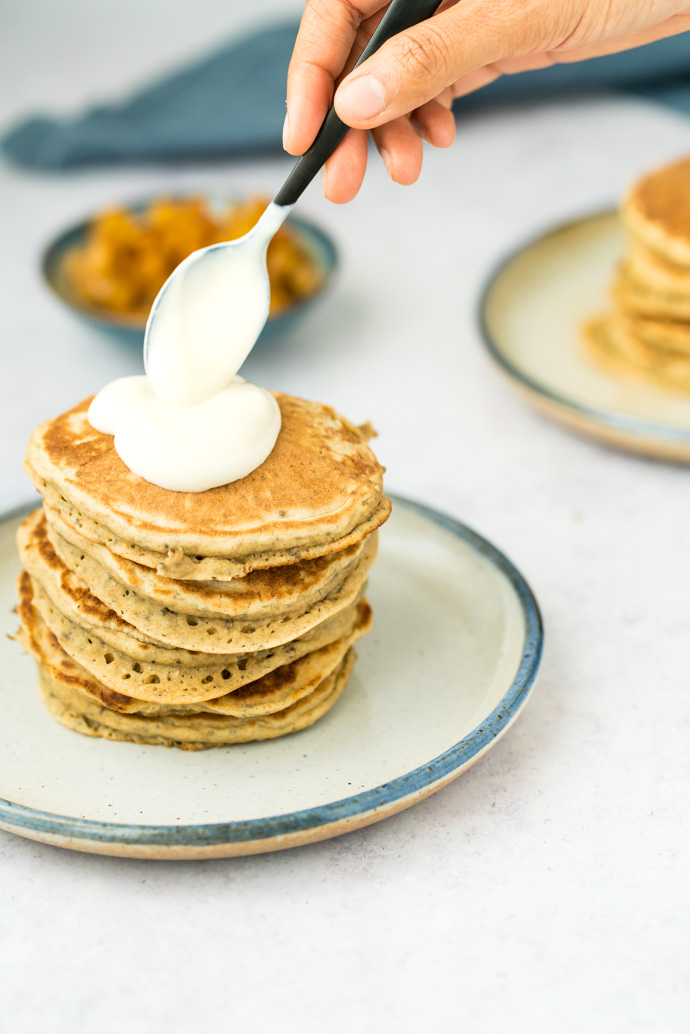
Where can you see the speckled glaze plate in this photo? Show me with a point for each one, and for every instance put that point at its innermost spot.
(530, 314)
(450, 662)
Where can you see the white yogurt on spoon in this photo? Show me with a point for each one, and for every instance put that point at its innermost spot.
(192, 424)
(208, 315)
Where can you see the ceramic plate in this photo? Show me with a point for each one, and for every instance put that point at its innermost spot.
(131, 328)
(447, 667)
(530, 314)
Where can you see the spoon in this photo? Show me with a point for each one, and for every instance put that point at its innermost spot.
(211, 309)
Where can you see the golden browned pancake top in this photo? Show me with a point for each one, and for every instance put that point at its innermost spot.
(663, 198)
(321, 481)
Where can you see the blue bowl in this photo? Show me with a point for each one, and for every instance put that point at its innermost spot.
(130, 328)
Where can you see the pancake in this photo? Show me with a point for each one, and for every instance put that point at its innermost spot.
(262, 594)
(637, 298)
(318, 492)
(646, 334)
(213, 635)
(120, 686)
(666, 335)
(198, 619)
(176, 564)
(658, 275)
(73, 599)
(78, 711)
(657, 212)
(620, 352)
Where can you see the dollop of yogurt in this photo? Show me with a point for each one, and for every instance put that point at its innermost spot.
(192, 423)
(191, 449)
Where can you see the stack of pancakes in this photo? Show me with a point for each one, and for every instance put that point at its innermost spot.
(198, 619)
(647, 333)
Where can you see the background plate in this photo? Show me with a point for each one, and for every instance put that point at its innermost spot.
(530, 315)
(454, 651)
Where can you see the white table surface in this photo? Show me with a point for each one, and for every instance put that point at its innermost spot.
(545, 890)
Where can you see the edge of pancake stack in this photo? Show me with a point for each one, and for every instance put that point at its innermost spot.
(646, 334)
(198, 619)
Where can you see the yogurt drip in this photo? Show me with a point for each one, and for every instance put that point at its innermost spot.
(192, 424)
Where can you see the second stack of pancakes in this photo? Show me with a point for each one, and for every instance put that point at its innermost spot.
(199, 619)
(647, 330)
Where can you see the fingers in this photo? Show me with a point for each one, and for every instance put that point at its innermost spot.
(467, 44)
(475, 80)
(415, 66)
(328, 31)
(434, 121)
(460, 40)
(309, 98)
(344, 171)
(401, 150)
(399, 145)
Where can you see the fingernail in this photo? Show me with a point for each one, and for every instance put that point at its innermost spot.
(324, 181)
(286, 133)
(387, 162)
(361, 98)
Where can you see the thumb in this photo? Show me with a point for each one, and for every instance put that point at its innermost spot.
(418, 64)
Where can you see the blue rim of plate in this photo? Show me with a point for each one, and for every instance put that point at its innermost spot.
(634, 426)
(255, 830)
(319, 243)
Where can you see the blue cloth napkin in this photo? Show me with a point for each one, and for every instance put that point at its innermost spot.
(233, 103)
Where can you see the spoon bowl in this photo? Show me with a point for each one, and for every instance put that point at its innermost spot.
(208, 315)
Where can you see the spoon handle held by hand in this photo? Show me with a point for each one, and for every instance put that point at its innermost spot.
(401, 15)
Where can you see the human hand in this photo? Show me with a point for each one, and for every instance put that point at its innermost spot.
(403, 93)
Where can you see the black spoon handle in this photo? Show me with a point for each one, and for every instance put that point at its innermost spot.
(400, 16)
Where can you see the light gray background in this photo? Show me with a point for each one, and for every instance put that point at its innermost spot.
(546, 890)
